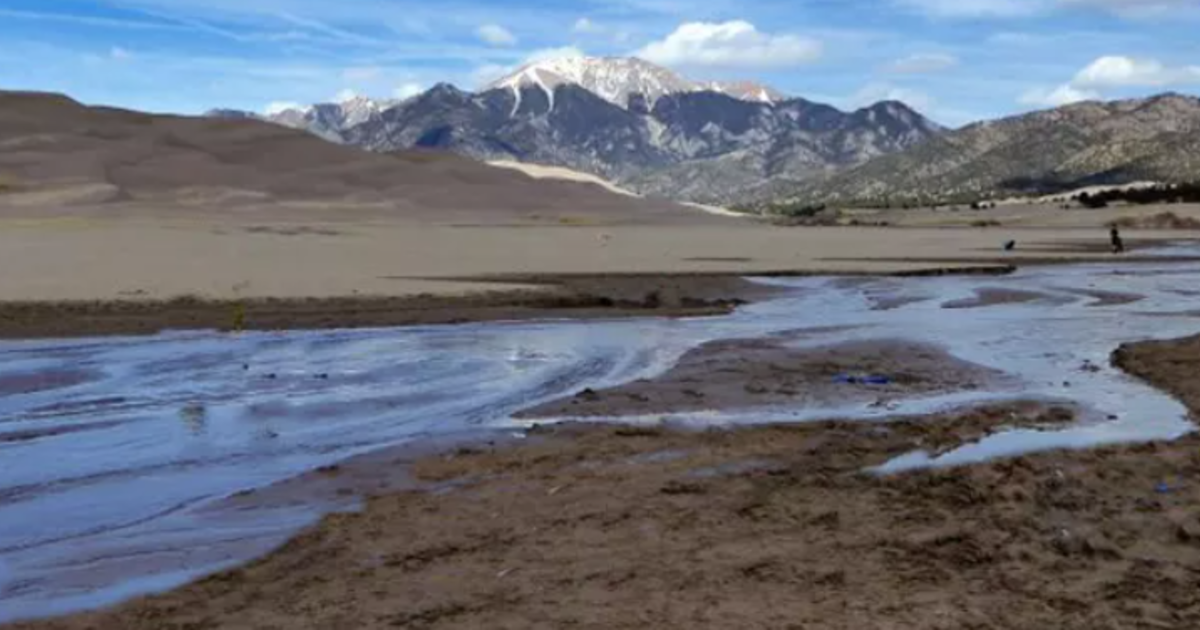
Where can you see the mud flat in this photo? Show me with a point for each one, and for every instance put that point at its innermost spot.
(584, 297)
(602, 527)
(767, 372)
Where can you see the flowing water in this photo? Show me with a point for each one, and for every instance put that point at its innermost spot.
(112, 450)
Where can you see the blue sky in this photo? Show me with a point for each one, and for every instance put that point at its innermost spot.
(955, 60)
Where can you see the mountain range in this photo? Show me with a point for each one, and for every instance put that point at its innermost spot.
(1045, 152)
(652, 131)
(629, 121)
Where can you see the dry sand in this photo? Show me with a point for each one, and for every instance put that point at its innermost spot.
(140, 266)
(770, 527)
(541, 171)
(97, 259)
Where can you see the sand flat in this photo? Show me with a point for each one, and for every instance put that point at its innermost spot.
(103, 259)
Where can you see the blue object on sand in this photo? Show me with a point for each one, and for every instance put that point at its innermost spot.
(862, 380)
(1162, 488)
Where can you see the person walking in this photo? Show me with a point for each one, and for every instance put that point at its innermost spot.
(1118, 245)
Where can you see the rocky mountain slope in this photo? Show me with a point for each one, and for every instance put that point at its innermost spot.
(634, 123)
(1085, 144)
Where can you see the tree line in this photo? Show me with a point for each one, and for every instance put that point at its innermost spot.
(1161, 194)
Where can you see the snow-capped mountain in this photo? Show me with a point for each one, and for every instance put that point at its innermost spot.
(628, 121)
(626, 82)
(328, 120)
(614, 79)
(358, 109)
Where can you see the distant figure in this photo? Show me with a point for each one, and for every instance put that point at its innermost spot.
(1009, 246)
(1118, 246)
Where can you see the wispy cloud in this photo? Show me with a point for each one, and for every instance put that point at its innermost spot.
(922, 63)
(408, 90)
(980, 56)
(496, 35)
(1056, 97)
(86, 20)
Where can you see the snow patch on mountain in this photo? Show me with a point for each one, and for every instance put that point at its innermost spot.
(616, 79)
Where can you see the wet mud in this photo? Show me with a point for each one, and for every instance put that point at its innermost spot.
(775, 526)
(726, 375)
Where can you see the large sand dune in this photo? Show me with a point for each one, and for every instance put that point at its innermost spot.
(57, 155)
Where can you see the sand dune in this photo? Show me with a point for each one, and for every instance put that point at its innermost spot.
(60, 154)
(541, 171)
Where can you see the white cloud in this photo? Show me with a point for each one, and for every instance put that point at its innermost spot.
(360, 74)
(1117, 71)
(489, 73)
(496, 35)
(1112, 72)
(586, 25)
(589, 28)
(119, 54)
(923, 62)
(345, 95)
(278, 107)
(546, 54)
(730, 44)
(408, 90)
(875, 92)
(1065, 94)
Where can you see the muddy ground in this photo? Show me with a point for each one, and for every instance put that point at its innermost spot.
(583, 297)
(547, 296)
(740, 373)
(768, 527)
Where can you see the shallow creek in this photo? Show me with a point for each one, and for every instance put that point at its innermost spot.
(112, 450)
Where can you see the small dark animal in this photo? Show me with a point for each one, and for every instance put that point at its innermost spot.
(1010, 245)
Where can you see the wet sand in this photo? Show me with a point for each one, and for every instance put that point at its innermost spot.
(775, 526)
(740, 374)
(583, 297)
(1169, 365)
(1108, 298)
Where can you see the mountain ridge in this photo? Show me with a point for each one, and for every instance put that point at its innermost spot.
(665, 138)
(1155, 138)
